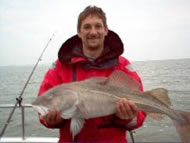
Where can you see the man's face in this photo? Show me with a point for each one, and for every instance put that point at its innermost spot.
(92, 32)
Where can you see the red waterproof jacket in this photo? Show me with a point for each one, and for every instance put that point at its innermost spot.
(73, 65)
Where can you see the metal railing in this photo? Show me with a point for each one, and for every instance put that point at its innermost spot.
(23, 106)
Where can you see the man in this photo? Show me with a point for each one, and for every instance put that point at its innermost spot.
(95, 51)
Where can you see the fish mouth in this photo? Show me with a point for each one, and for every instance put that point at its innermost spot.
(40, 109)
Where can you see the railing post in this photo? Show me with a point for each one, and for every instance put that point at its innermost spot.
(23, 123)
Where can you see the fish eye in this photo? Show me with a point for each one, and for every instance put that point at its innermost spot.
(50, 96)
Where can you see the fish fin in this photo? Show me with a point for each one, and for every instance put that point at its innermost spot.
(69, 113)
(83, 109)
(161, 94)
(120, 78)
(183, 126)
(155, 116)
(76, 126)
(72, 103)
(96, 80)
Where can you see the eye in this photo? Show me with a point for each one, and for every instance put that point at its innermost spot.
(98, 26)
(87, 27)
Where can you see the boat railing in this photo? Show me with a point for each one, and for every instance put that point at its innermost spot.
(23, 137)
(22, 107)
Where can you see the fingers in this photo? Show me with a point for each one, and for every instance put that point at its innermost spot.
(126, 109)
(53, 117)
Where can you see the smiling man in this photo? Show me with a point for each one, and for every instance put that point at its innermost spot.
(92, 33)
(94, 51)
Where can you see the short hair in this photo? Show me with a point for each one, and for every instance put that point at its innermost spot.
(91, 10)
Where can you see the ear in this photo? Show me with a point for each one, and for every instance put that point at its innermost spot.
(79, 35)
(106, 31)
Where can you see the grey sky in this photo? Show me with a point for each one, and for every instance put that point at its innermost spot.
(149, 29)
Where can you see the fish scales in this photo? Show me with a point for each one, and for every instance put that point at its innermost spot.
(143, 101)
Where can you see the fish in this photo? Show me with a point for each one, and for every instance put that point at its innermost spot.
(97, 97)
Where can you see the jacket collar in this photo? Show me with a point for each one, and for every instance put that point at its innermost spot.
(71, 52)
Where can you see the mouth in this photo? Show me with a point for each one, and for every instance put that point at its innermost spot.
(93, 40)
(40, 109)
(92, 37)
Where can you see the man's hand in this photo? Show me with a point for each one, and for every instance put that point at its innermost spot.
(53, 118)
(126, 109)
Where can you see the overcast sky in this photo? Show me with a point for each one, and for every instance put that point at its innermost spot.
(149, 29)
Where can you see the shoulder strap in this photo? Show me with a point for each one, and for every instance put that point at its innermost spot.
(74, 78)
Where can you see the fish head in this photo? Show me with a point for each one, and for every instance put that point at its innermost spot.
(58, 98)
(44, 103)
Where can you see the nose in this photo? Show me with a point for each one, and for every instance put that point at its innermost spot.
(93, 30)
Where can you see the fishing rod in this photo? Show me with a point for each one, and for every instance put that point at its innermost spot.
(19, 99)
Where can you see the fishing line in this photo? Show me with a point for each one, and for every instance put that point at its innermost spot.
(19, 99)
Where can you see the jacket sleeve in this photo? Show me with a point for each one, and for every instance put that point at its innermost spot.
(50, 80)
(126, 66)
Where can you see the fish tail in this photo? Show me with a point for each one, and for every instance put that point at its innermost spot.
(183, 126)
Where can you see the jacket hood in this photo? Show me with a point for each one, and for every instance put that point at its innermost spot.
(72, 49)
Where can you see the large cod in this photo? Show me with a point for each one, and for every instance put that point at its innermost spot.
(97, 97)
